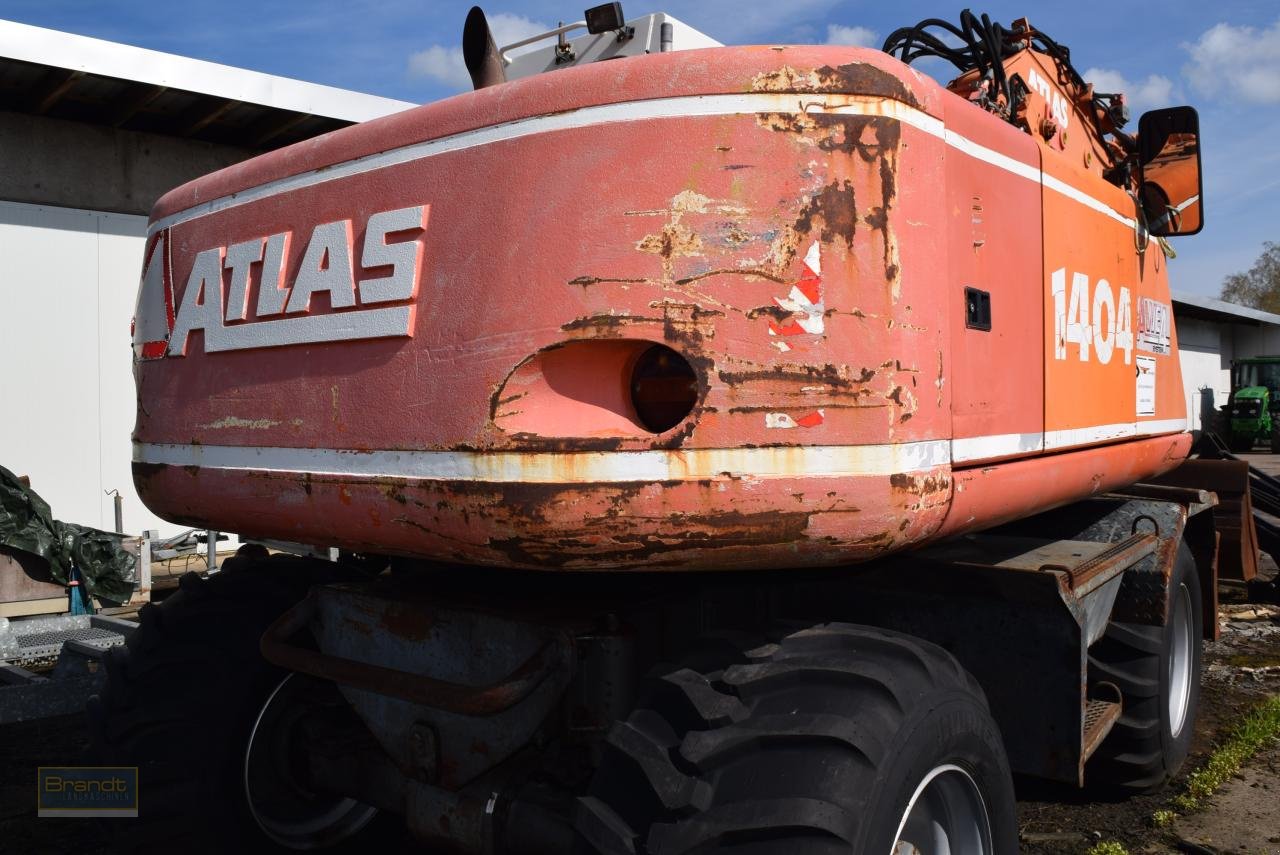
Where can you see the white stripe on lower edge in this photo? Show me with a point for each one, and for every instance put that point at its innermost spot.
(617, 466)
(966, 449)
(1003, 445)
(631, 111)
(1058, 439)
(562, 467)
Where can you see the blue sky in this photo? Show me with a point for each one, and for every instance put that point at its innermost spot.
(1223, 58)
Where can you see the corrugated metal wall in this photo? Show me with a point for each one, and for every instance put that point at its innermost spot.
(68, 282)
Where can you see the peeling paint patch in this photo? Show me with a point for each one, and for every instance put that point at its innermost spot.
(784, 420)
(855, 78)
(235, 422)
(804, 301)
(674, 240)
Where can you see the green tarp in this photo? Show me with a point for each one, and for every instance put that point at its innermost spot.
(27, 524)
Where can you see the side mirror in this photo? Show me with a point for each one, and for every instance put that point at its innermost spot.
(1169, 156)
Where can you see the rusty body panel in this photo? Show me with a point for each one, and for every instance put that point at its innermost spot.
(799, 225)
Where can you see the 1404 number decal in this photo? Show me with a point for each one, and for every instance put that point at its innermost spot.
(1101, 321)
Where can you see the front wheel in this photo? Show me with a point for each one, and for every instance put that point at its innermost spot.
(1157, 669)
(838, 739)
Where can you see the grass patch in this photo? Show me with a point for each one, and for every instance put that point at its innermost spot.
(1107, 847)
(1254, 732)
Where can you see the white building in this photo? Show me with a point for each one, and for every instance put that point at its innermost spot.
(91, 134)
(1211, 333)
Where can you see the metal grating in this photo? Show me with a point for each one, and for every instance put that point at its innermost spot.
(59, 637)
(1099, 718)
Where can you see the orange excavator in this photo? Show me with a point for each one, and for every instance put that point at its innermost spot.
(723, 449)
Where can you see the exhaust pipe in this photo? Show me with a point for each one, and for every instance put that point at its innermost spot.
(479, 52)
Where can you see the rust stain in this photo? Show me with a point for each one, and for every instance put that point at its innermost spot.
(784, 79)
(674, 240)
(922, 492)
(835, 207)
(772, 311)
(536, 442)
(687, 323)
(918, 485)
(603, 326)
(835, 376)
(855, 78)
(585, 281)
(905, 401)
(749, 272)
(144, 473)
(872, 140)
(679, 532)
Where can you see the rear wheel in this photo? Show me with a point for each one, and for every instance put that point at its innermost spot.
(192, 703)
(837, 739)
(1275, 436)
(1157, 669)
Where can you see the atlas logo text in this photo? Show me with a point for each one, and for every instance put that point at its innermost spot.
(217, 296)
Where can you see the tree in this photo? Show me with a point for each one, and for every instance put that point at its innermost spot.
(1260, 287)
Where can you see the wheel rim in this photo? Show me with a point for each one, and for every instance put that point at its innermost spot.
(946, 815)
(1180, 630)
(283, 808)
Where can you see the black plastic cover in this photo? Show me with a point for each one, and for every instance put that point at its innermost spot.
(27, 524)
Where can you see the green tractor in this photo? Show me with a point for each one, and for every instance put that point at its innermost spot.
(1254, 410)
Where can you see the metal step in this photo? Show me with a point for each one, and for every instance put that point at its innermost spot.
(34, 641)
(73, 644)
(1099, 718)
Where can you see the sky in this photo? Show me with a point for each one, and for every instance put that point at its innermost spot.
(1223, 58)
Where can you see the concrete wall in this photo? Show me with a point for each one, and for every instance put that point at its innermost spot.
(67, 297)
(1256, 341)
(96, 167)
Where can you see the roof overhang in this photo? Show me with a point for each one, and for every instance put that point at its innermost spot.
(63, 75)
(1211, 309)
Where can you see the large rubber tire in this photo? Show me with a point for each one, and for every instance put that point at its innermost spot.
(181, 699)
(1150, 665)
(1275, 437)
(816, 744)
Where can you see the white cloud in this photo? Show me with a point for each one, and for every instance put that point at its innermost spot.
(838, 34)
(509, 28)
(445, 64)
(441, 64)
(1243, 62)
(1155, 91)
